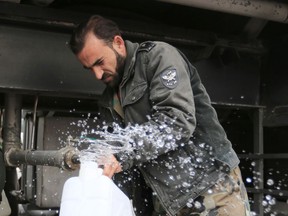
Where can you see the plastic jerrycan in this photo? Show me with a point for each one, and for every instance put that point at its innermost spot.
(93, 194)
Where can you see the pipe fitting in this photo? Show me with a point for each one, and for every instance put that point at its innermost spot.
(65, 158)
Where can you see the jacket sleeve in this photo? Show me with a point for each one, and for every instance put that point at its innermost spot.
(172, 119)
(172, 101)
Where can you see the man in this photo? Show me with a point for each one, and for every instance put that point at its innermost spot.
(194, 170)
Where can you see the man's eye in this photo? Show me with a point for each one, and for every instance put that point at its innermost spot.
(100, 62)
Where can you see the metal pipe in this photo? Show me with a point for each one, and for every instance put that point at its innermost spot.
(11, 140)
(267, 10)
(12, 122)
(66, 158)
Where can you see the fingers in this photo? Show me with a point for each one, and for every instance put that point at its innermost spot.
(118, 168)
(112, 167)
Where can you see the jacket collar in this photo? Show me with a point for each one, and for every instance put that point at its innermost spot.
(131, 49)
(107, 95)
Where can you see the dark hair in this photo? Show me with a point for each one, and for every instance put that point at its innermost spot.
(101, 27)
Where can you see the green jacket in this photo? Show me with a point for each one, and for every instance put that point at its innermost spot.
(160, 89)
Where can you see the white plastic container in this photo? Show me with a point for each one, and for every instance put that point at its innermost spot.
(93, 194)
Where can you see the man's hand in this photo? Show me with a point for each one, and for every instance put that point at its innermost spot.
(112, 167)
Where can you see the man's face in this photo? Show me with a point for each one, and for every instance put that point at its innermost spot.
(103, 60)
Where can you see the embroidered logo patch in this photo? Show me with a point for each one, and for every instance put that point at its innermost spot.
(170, 78)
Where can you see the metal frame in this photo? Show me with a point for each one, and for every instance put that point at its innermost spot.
(259, 156)
(259, 167)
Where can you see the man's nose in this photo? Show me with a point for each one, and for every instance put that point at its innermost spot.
(98, 72)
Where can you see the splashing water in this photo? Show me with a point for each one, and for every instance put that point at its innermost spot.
(126, 139)
(101, 148)
(161, 136)
(99, 151)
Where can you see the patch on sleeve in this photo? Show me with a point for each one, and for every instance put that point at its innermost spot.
(170, 78)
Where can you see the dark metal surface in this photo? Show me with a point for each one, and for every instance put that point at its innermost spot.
(40, 62)
(231, 79)
(274, 84)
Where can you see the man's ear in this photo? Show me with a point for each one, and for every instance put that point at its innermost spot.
(119, 44)
(118, 41)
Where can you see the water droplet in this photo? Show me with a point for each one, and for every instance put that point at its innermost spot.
(202, 145)
(197, 205)
(248, 180)
(140, 142)
(270, 182)
(268, 197)
(192, 173)
(189, 205)
(185, 184)
(210, 191)
(272, 201)
(171, 177)
(264, 203)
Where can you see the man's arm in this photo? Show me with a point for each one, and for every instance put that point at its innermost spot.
(172, 121)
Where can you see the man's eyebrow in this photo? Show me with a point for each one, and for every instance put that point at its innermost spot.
(97, 62)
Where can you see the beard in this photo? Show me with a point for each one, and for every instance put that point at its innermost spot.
(119, 70)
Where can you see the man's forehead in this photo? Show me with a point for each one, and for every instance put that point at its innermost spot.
(91, 45)
(91, 39)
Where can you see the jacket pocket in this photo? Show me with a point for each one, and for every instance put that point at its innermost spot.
(135, 94)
